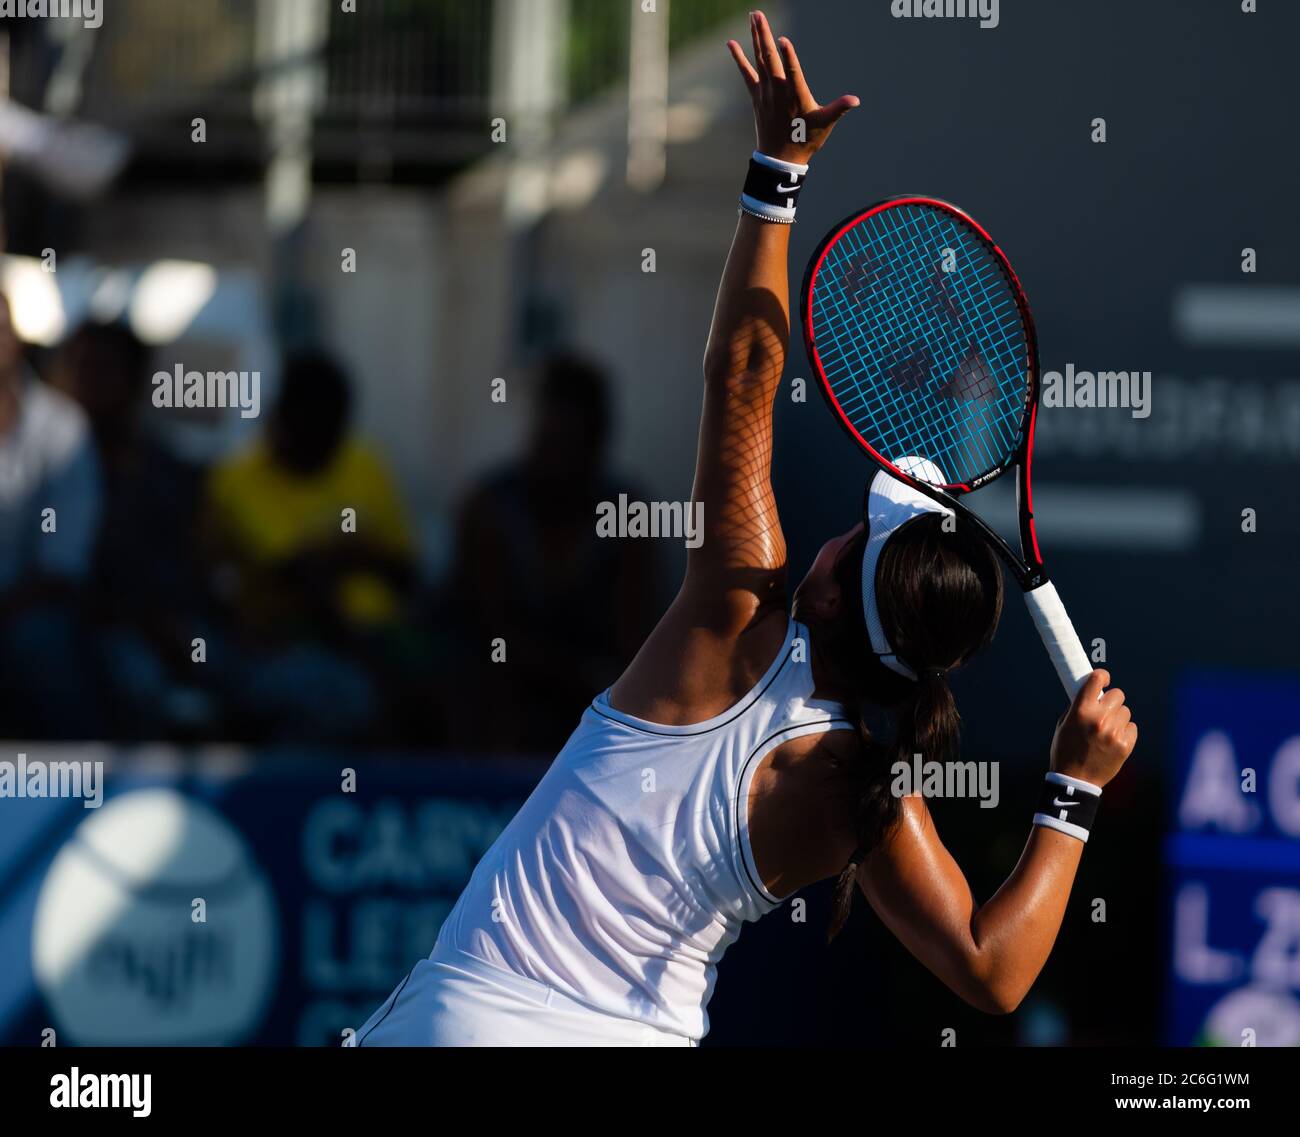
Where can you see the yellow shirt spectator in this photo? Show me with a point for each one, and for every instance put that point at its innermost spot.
(266, 515)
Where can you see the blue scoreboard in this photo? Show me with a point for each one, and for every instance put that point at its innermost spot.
(1233, 863)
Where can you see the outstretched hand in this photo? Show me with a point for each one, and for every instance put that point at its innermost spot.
(790, 123)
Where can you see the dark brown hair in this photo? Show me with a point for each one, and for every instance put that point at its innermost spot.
(940, 597)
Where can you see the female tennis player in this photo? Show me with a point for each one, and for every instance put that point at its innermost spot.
(727, 768)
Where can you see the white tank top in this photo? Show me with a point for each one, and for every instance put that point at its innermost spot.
(628, 872)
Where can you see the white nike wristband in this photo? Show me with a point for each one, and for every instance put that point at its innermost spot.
(1068, 805)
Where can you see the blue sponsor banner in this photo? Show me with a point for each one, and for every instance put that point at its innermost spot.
(232, 897)
(1233, 859)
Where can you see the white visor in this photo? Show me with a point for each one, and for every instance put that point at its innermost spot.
(891, 504)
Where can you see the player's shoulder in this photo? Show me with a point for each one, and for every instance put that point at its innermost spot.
(804, 805)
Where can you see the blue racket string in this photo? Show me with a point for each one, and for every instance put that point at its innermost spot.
(922, 360)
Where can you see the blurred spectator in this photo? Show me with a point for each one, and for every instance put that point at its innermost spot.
(49, 509)
(572, 607)
(315, 562)
(145, 594)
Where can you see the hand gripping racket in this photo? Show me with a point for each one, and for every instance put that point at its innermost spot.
(924, 345)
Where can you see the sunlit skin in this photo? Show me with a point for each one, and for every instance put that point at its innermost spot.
(729, 620)
(818, 596)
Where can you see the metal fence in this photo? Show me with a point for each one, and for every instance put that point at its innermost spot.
(418, 72)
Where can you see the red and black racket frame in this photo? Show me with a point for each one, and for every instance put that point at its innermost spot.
(1027, 568)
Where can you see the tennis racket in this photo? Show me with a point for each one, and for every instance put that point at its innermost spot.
(924, 346)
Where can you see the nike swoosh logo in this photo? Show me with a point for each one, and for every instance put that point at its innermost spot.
(1063, 804)
(788, 189)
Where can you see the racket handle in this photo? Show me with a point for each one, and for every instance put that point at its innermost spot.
(1059, 637)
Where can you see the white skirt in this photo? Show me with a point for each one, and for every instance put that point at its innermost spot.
(455, 999)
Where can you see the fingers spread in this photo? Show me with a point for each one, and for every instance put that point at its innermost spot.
(743, 65)
(827, 116)
(842, 105)
(766, 45)
(759, 62)
(795, 71)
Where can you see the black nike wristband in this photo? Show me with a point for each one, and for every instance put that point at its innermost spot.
(772, 188)
(1068, 805)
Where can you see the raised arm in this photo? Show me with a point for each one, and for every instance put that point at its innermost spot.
(741, 562)
(698, 659)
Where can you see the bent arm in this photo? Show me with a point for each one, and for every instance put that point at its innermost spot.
(991, 953)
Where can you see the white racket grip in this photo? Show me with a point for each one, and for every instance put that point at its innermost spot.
(1059, 637)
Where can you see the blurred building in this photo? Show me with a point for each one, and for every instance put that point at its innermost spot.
(325, 167)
